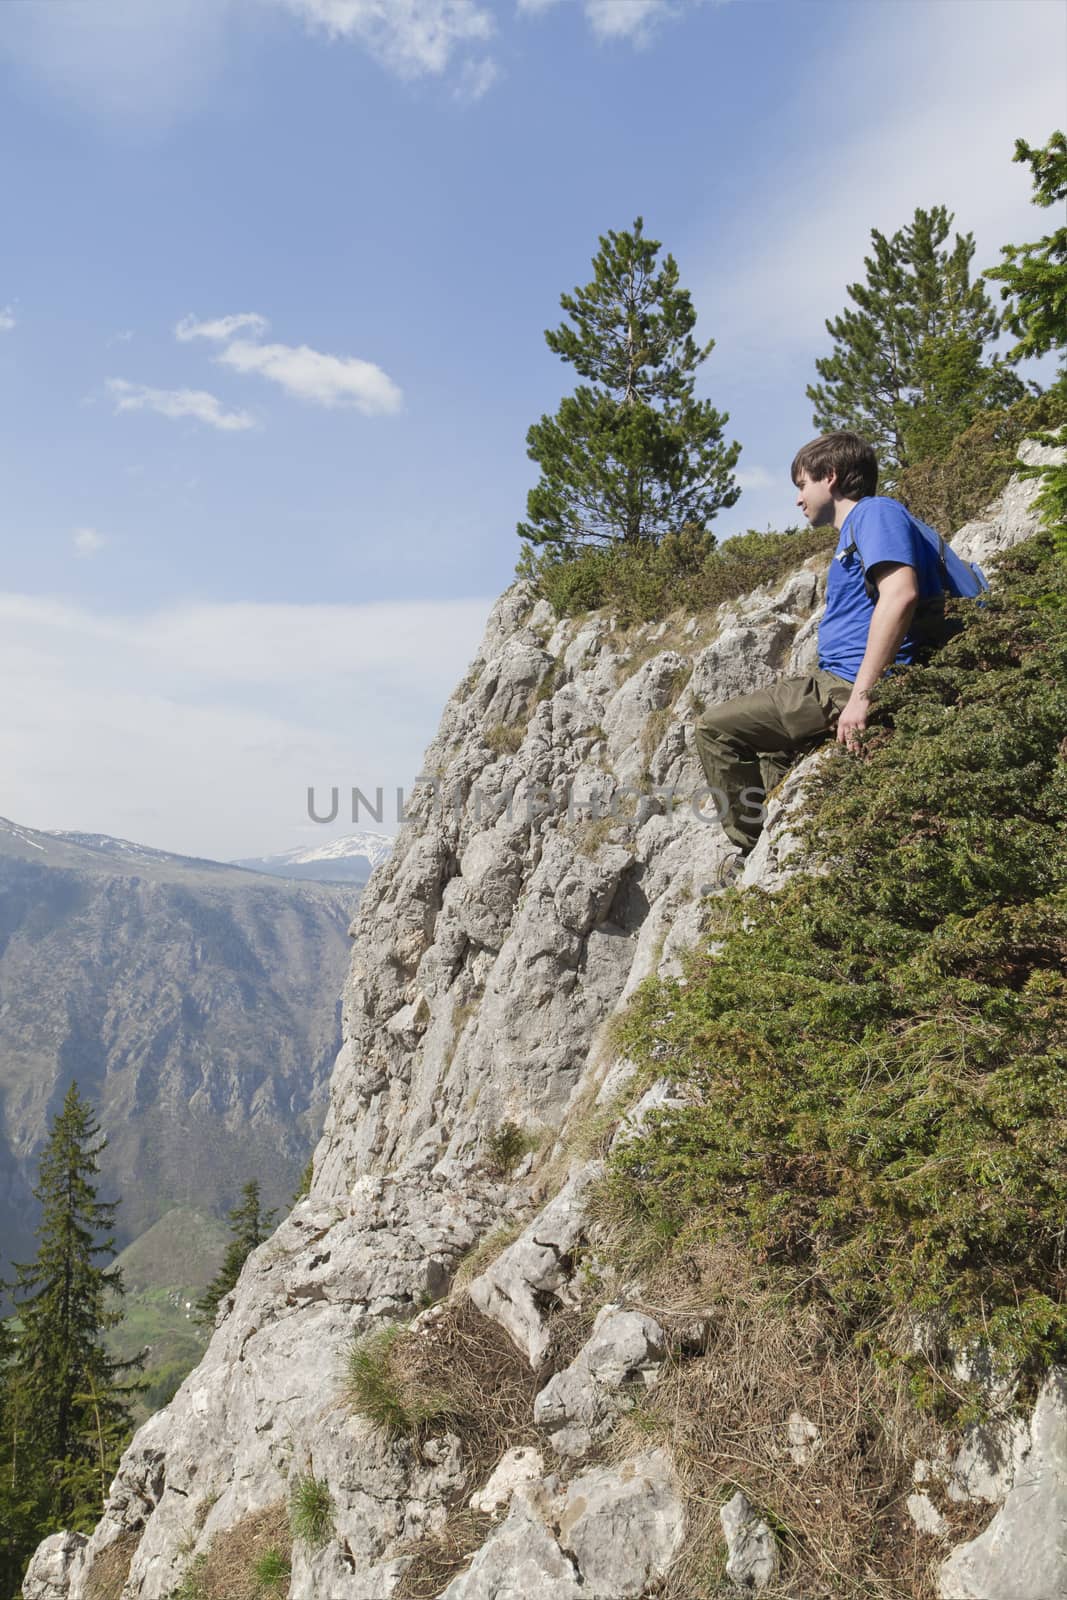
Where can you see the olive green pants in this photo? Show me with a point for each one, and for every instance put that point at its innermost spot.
(746, 746)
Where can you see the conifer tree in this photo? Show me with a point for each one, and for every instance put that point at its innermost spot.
(249, 1225)
(1034, 279)
(61, 1375)
(1034, 276)
(909, 370)
(632, 455)
(23, 1486)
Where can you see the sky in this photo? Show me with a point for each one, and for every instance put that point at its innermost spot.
(274, 283)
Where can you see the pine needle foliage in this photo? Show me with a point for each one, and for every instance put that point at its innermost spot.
(1033, 277)
(249, 1225)
(65, 1395)
(632, 455)
(1034, 283)
(879, 1049)
(683, 572)
(908, 370)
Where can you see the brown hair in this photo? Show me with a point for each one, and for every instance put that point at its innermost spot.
(851, 457)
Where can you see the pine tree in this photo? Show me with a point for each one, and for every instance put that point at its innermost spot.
(1034, 276)
(250, 1225)
(65, 1394)
(1034, 279)
(908, 371)
(631, 455)
(23, 1486)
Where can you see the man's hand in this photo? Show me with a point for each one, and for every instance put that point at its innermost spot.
(853, 719)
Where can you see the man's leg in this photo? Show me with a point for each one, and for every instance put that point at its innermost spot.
(747, 745)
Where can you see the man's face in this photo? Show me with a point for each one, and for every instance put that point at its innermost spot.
(815, 499)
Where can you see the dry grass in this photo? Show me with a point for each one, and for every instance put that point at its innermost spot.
(227, 1570)
(437, 1558)
(504, 738)
(491, 1245)
(459, 1370)
(111, 1569)
(465, 1368)
(840, 1519)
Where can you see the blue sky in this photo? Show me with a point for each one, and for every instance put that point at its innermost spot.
(272, 295)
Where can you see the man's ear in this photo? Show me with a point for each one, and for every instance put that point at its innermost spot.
(831, 479)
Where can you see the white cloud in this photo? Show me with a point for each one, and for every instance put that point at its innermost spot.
(151, 62)
(476, 78)
(626, 19)
(754, 478)
(635, 20)
(311, 375)
(200, 727)
(87, 541)
(221, 328)
(803, 237)
(178, 403)
(410, 37)
(7, 319)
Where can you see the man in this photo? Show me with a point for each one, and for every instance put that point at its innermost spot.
(881, 569)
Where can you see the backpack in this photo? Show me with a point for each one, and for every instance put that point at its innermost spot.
(929, 626)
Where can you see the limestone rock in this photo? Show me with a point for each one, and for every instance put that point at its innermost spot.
(1011, 518)
(1022, 1554)
(615, 1530)
(925, 1515)
(579, 1405)
(753, 1555)
(532, 1276)
(623, 1525)
(515, 1467)
(54, 1563)
(804, 1439)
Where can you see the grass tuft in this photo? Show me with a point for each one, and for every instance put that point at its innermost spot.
(310, 1509)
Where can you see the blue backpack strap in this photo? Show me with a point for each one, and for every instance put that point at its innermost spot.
(872, 588)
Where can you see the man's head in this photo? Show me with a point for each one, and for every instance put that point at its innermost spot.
(832, 468)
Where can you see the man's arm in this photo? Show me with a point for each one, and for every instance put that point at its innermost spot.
(898, 595)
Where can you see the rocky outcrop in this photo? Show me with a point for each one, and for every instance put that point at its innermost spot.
(553, 856)
(1022, 1554)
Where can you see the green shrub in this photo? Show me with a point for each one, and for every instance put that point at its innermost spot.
(272, 1569)
(958, 486)
(380, 1389)
(507, 1145)
(642, 581)
(880, 1047)
(310, 1509)
(191, 1587)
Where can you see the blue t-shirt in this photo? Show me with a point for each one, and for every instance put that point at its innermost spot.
(883, 530)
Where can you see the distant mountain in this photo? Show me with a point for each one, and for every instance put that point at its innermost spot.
(348, 860)
(196, 1003)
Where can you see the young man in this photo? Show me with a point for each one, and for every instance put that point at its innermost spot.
(747, 745)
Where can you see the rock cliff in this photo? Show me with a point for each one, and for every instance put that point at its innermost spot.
(542, 873)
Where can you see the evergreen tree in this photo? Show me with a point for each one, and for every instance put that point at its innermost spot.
(66, 1402)
(250, 1226)
(631, 455)
(23, 1497)
(908, 370)
(1034, 276)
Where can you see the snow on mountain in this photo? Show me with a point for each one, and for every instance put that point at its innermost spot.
(348, 860)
